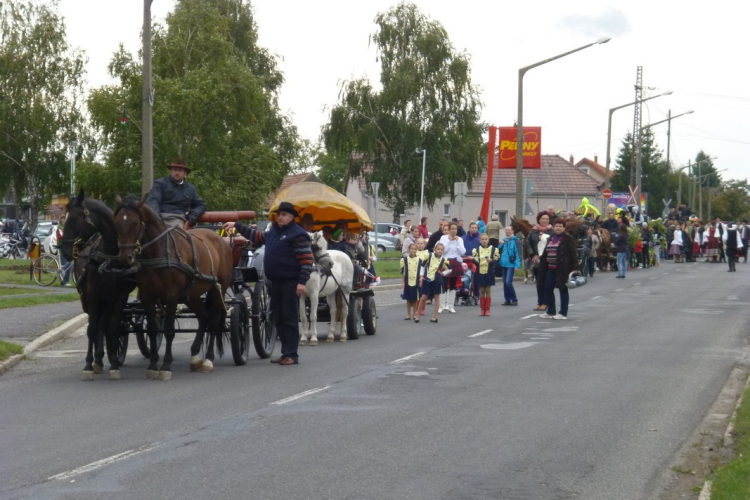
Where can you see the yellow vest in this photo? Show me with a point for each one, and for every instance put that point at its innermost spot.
(410, 268)
(480, 255)
(434, 265)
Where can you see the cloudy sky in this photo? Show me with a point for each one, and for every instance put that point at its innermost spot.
(694, 49)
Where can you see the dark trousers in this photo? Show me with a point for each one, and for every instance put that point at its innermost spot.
(592, 266)
(689, 251)
(731, 260)
(549, 292)
(744, 250)
(285, 311)
(508, 291)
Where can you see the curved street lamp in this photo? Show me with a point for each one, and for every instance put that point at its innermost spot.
(519, 140)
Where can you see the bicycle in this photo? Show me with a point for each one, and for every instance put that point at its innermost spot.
(48, 268)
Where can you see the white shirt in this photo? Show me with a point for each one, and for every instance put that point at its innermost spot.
(453, 249)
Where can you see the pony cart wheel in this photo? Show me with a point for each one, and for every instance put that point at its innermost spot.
(141, 335)
(369, 315)
(122, 346)
(264, 333)
(239, 330)
(354, 318)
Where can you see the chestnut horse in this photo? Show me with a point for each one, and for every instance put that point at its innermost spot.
(175, 266)
(90, 241)
(604, 254)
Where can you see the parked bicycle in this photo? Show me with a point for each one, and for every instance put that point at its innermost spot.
(48, 269)
(12, 247)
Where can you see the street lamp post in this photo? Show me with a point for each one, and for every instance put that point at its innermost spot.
(73, 146)
(679, 188)
(421, 196)
(638, 174)
(375, 187)
(609, 133)
(519, 137)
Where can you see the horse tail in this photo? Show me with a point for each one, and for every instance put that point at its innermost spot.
(220, 343)
(340, 306)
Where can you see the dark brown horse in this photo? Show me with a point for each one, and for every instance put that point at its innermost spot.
(175, 266)
(90, 241)
(520, 225)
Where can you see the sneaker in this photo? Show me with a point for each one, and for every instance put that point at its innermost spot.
(559, 316)
(546, 316)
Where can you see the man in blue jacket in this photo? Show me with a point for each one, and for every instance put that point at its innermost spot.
(287, 264)
(174, 198)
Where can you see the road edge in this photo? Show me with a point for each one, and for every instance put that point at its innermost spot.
(51, 336)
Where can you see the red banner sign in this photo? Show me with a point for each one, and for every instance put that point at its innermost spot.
(508, 147)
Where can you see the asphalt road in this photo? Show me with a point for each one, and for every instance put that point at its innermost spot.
(506, 407)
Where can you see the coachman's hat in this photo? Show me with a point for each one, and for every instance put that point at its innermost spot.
(178, 164)
(287, 207)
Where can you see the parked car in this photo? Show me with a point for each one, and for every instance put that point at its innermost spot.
(387, 236)
(47, 234)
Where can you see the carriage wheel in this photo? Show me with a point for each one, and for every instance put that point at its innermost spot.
(239, 330)
(354, 318)
(264, 333)
(122, 346)
(141, 335)
(369, 315)
(45, 270)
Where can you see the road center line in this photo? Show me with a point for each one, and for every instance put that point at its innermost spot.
(300, 395)
(530, 316)
(99, 463)
(480, 333)
(407, 358)
(596, 297)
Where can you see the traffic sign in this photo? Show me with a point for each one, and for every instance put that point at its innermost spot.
(607, 194)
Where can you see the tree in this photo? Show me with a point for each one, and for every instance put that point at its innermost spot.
(427, 101)
(653, 171)
(733, 201)
(215, 107)
(40, 90)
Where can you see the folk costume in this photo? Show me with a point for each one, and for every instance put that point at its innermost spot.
(410, 270)
(485, 275)
(710, 237)
(733, 245)
(432, 270)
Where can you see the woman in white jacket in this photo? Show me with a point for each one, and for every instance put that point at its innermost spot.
(454, 252)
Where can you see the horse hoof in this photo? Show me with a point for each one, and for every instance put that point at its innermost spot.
(115, 375)
(87, 375)
(195, 363)
(165, 375)
(98, 369)
(302, 341)
(152, 374)
(329, 339)
(207, 366)
(313, 341)
(342, 338)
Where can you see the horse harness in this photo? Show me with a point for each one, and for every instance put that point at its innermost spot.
(326, 272)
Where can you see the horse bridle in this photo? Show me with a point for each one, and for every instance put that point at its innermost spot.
(79, 242)
(137, 245)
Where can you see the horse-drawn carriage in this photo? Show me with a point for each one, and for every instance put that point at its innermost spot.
(332, 295)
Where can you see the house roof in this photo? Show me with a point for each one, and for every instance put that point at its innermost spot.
(556, 176)
(291, 180)
(600, 169)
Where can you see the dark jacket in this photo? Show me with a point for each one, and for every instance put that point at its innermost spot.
(432, 241)
(470, 242)
(288, 255)
(168, 197)
(532, 242)
(621, 243)
(610, 225)
(567, 262)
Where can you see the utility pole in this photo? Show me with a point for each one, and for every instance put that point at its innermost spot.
(669, 169)
(147, 101)
(635, 169)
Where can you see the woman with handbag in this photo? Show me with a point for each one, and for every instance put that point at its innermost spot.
(510, 260)
(535, 243)
(454, 252)
(557, 262)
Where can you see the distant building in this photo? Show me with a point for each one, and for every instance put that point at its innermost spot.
(558, 182)
(592, 168)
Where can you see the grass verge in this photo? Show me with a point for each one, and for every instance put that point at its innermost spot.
(38, 301)
(8, 349)
(12, 290)
(732, 481)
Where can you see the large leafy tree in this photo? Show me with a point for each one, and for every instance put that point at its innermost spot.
(40, 91)
(732, 202)
(653, 171)
(215, 106)
(427, 101)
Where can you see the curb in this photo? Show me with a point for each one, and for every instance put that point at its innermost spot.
(51, 336)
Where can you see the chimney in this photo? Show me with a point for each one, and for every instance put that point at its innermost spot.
(572, 160)
(596, 158)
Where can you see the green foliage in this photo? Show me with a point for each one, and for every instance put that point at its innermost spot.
(732, 481)
(653, 171)
(41, 86)
(8, 349)
(427, 101)
(215, 106)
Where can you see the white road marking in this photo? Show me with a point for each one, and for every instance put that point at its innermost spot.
(619, 290)
(480, 333)
(636, 284)
(300, 395)
(416, 374)
(540, 338)
(517, 345)
(407, 358)
(99, 463)
(536, 333)
(530, 316)
(596, 297)
(562, 329)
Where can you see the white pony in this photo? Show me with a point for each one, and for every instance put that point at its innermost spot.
(335, 288)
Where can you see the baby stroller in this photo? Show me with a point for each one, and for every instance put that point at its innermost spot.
(465, 293)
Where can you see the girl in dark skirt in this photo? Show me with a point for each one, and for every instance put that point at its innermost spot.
(410, 272)
(431, 280)
(485, 257)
